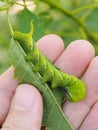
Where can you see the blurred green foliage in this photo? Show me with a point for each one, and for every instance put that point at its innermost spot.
(4, 43)
(70, 19)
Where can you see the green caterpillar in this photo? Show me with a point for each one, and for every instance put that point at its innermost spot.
(74, 87)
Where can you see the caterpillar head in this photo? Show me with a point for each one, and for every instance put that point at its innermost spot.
(76, 92)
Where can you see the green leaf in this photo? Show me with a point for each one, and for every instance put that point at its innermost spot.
(91, 21)
(53, 117)
(23, 23)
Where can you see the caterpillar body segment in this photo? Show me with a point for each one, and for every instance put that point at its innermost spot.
(75, 88)
(74, 91)
(48, 71)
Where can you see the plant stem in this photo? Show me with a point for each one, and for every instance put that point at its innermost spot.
(19, 4)
(90, 6)
(7, 16)
(3, 8)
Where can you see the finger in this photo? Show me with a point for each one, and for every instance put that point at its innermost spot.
(82, 109)
(91, 121)
(90, 78)
(26, 110)
(7, 88)
(51, 46)
(75, 60)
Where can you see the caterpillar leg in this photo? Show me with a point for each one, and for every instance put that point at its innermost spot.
(57, 80)
(45, 78)
(67, 94)
(47, 75)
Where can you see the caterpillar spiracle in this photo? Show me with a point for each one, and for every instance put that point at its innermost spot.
(74, 87)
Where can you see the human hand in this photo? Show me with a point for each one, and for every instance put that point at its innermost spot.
(78, 59)
(20, 105)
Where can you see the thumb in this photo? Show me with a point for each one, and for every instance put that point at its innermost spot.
(26, 110)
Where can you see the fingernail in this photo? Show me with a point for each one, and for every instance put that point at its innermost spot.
(24, 97)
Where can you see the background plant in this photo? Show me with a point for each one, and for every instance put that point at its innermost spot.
(70, 19)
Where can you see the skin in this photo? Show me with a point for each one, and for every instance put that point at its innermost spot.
(20, 104)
